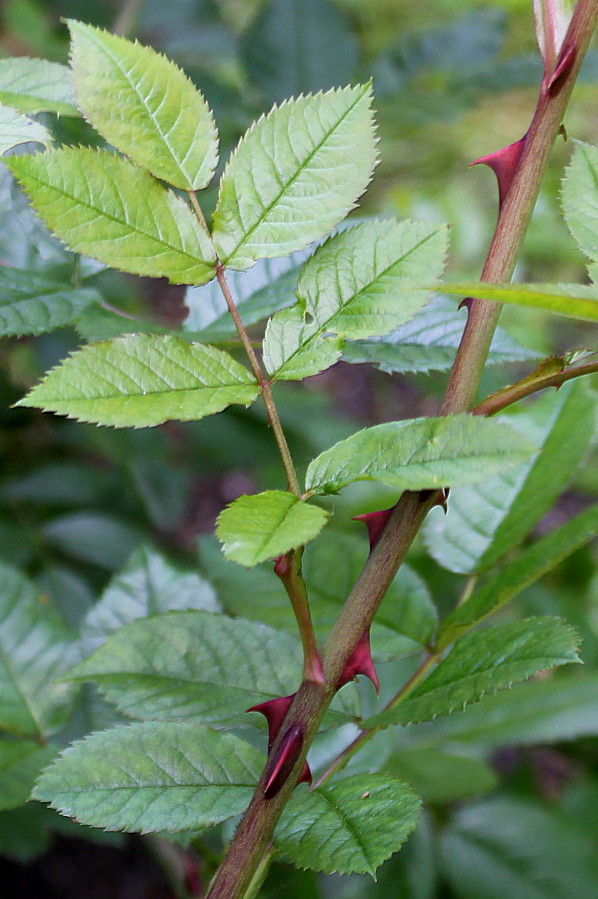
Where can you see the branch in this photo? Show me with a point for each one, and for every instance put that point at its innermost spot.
(257, 826)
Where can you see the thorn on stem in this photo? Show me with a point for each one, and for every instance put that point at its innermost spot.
(375, 522)
(504, 165)
(360, 662)
(274, 711)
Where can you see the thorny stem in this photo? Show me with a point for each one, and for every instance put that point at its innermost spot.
(255, 831)
(504, 398)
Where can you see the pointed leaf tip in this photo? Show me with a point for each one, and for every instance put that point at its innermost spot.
(360, 662)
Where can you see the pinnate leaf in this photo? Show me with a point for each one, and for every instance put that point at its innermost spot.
(17, 129)
(580, 198)
(34, 650)
(419, 454)
(348, 827)
(32, 304)
(148, 584)
(484, 662)
(360, 283)
(533, 563)
(36, 85)
(20, 763)
(101, 205)
(295, 175)
(486, 520)
(260, 527)
(145, 106)
(153, 778)
(142, 380)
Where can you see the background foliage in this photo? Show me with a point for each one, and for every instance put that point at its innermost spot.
(105, 525)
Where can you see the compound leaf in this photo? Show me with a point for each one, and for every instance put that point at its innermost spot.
(360, 283)
(348, 827)
(260, 527)
(145, 106)
(34, 649)
(20, 763)
(36, 85)
(486, 520)
(101, 205)
(142, 380)
(484, 662)
(153, 778)
(33, 304)
(295, 175)
(419, 454)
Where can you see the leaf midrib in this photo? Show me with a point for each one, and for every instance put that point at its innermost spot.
(291, 181)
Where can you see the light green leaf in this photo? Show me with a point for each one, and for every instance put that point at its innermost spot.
(20, 763)
(348, 827)
(102, 205)
(148, 584)
(580, 199)
(266, 525)
(153, 778)
(532, 564)
(30, 304)
(34, 650)
(17, 129)
(357, 284)
(513, 847)
(419, 454)
(295, 175)
(145, 106)
(36, 85)
(487, 520)
(482, 662)
(142, 380)
(429, 341)
(571, 300)
(543, 711)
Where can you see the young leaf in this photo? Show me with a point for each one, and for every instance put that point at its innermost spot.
(30, 304)
(295, 175)
(351, 826)
(17, 129)
(297, 46)
(428, 343)
(142, 380)
(102, 205)
(260, 527)
(571, 300)
(482, 662)
(34, 650)
(546, 711)
(486, 520)
(419, 454)
(20, 763)
(580, 198)
(145, 106)
(36, 85)
(152, 778)
(532, 564)
(147, 585)
(358, 284)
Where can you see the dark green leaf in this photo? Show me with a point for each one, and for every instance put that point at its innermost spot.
(20, 763)
(30, 304)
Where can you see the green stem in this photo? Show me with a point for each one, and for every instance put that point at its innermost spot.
(288, 569)
(509, 395)
(255, 831)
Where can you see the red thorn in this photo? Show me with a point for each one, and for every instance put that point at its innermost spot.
(282, 567)
(274, 711)
(375, 522)
(563, 67)
(360, 662)
(465, 303)
(503, 163)
(282, 763)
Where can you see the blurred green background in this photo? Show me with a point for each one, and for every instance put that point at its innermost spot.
(453, 81)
